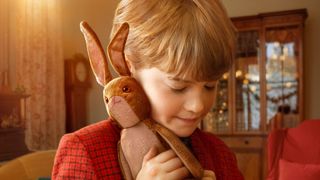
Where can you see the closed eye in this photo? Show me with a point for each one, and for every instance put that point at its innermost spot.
(178, 90)
(209, 88)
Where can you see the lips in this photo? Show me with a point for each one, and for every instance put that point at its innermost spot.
(188, 120)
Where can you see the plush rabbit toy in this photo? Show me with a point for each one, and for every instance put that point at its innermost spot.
(128, 105)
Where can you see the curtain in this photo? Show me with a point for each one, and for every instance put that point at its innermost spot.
(39, 69)
(4, 38)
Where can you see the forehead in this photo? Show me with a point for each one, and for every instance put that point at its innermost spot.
(192, 74)
(197, 67)
(177, 79)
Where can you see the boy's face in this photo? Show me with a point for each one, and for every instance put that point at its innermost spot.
(178, 104)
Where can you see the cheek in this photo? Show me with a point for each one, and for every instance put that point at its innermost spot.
(161, 100)
(161, 103)
(164, 104)
(210, 100)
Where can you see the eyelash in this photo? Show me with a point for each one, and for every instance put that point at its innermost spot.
(178, 90)
(210, 88)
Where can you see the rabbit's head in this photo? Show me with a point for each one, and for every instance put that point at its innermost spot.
(123, 94)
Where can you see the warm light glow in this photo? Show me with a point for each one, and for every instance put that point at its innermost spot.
(274, 56)
(238, 73)
(253, 88)
(245, 81)
(288, 84)
(224, 104)
(225, 75)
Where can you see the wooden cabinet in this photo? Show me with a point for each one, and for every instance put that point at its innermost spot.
(12, 125)
(266, 80)
(250, 151)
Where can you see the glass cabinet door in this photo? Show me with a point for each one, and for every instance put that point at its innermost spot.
(218, 119)
(282, 79)
(247, 83)
(264, 87)
(243, 100)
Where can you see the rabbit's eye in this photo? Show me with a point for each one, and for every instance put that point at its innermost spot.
(125, 89)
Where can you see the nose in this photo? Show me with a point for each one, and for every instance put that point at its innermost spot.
(195, 103)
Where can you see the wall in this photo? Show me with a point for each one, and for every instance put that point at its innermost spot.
(99, 14)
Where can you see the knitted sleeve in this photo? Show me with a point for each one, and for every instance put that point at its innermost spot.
(72, 160)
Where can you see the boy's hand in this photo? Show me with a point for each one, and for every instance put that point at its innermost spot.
(209, 175)
(165, 165)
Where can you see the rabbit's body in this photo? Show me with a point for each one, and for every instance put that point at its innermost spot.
(130, 108)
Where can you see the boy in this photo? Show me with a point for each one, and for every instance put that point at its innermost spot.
(177, 50)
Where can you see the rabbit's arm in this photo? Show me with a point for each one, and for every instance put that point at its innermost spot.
(191, 163)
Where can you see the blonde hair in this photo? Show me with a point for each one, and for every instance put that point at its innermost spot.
(188, 38)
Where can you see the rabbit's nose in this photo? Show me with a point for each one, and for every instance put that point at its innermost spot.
(116, 99)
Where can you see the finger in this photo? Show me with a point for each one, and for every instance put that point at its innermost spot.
(172, 164)
(165, 156)
(208, 174)
(180, 173)
(208, 178)
(151, 153)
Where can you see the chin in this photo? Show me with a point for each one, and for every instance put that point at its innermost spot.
(184, 133)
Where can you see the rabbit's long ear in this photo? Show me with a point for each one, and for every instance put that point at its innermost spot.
(116, 50)
(97, 57)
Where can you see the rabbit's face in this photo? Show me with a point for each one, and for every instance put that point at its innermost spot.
(131, 91)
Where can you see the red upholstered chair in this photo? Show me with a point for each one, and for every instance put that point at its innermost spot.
(294, 153)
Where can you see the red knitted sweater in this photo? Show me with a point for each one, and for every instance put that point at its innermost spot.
(91, 153)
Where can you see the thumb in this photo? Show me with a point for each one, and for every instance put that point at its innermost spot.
(150, 154)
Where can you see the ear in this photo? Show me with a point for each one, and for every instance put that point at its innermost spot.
(116, 50)
(97, 57)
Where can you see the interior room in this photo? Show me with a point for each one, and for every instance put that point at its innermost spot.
(47, 88)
